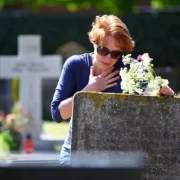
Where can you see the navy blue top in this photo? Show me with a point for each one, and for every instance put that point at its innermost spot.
(74, 77)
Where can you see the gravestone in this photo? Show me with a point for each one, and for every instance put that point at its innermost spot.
(120, 123)
(30, 67)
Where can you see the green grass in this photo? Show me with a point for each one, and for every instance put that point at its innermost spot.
(56, 130)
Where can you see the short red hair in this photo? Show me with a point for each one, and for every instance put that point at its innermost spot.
(111, 25)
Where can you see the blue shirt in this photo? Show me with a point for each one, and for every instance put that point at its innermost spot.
(74, 77)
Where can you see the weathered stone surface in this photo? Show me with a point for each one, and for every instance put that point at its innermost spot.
(116, 122)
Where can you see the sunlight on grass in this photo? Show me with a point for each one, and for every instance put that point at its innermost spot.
(56, 130)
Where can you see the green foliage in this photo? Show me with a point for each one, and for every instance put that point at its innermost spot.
(5, 138)
(160, 4)
(106, 6)
(118, 7)
(9, 141)
(11, 126)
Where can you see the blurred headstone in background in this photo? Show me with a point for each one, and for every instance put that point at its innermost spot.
(31, 67)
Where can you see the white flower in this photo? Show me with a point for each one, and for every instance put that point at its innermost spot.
(140, 78)
(145, 57)
(127, 59)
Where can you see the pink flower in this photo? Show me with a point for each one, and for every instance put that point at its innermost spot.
(26, 113)
(2, 116)
(139, 58)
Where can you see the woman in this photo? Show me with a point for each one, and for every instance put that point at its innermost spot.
(97, 71)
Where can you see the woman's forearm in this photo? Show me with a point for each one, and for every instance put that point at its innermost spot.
(65, 108)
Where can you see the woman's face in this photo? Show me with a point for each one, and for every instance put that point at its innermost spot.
(106, 60)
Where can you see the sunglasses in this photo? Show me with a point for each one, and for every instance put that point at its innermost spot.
(104, 51)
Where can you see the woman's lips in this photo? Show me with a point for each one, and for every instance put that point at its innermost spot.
(106, 64)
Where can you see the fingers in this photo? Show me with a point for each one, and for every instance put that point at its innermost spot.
(111, 85)
(112, 79)
(105, 80)
(105, 73)
(109, 76)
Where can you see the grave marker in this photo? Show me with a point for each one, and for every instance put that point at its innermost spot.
(111, 122)
(30, 67)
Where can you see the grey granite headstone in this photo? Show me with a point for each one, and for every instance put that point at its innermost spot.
(120, 123)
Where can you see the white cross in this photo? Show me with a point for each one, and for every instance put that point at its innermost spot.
(30, 67)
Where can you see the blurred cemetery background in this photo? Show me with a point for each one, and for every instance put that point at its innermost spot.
(62, 27)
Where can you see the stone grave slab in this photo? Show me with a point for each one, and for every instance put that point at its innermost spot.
(111, 122)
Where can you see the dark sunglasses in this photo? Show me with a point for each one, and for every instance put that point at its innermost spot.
(104, 51)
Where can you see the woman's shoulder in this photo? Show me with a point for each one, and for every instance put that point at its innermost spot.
(80, 58)
(78, 61)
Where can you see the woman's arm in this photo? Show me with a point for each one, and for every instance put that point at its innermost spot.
(61, 105)
(64, 91)
(96, 83)
(65, 107)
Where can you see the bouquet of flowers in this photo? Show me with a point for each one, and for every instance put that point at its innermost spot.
(138, 76)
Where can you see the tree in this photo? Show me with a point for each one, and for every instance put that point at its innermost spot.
(108, 6)
(160, 4)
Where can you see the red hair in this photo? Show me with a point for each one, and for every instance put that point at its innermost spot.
(111, 25)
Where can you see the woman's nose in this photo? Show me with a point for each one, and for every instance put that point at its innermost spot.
(107, 58)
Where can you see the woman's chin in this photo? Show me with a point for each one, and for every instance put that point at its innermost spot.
(104, 68)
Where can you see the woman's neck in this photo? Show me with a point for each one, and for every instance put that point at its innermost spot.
(97, 70)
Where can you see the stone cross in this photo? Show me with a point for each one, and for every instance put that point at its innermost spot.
(123, 123)
(31, 67)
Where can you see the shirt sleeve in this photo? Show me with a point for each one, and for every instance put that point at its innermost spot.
(66, 87)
